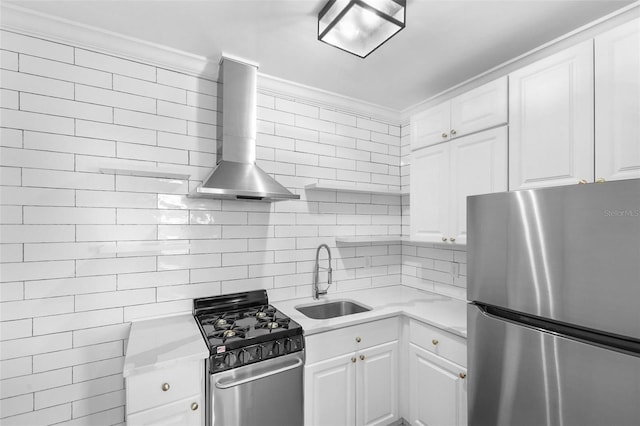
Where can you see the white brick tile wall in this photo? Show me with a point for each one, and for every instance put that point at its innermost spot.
(86, 253)
(9, 99)
(114, 99)
(8, 60)
(150, 90)
(35, 84)
(35, 46)
(64, 71)
(114, 65)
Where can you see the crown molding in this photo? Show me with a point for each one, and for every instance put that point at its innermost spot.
(40, 25)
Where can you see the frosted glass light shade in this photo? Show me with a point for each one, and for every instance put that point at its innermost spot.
(360, 26)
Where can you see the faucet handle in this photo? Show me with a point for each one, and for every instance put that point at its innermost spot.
(330, 275)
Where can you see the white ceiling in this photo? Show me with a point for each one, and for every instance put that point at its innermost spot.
(443, 44)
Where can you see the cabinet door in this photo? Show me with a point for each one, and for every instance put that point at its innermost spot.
(429, 199)
(179, 413)
(431, 126)
(437, 390)
(478, 166)
(329, 392)
(480, 108)
(618, 102)
(551, 120)
(377, 385)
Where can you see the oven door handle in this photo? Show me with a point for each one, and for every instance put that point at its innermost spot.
(227, 385)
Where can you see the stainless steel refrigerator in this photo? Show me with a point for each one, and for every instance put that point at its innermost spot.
(554, 306)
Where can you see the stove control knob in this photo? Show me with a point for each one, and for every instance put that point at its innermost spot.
(243, 356)
(165, 387)
(288, 345)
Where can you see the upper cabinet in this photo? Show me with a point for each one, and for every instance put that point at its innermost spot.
(478, 109)
(617, 83)
(551, 120)
(444, 175)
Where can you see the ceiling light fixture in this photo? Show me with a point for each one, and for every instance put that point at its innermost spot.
(360, 26)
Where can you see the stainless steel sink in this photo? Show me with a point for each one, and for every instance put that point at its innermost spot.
(326, 310)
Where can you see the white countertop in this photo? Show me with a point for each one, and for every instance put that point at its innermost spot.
(431, 308)
(163, 342)
(167, 341)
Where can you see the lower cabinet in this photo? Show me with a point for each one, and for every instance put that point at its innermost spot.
(437, 390)
(359, 387)
(187, 412)
(167, 396)
(437, 377)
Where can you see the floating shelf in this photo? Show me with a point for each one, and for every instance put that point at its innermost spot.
(146, 172)
(346, 188)
(372, 239)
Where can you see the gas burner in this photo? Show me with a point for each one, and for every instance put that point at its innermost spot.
(230, 331)
(273, 323)
(221, 322)
(261, 313)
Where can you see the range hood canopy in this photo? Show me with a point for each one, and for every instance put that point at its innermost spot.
(236, 175)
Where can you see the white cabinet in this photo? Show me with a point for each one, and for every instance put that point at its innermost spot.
(617, 103)
(167, 396)
(551, 120)
(438, 390)
(179, 413)
(437, 377)
(478, 109)
(351, 376)
(443, 175)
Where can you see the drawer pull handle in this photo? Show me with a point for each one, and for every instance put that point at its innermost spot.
(453, 131)
(444, 239)
(358, 339)
(361, 357)
(194, 406)
(444, 135)
(435, 342)
(353, 359)
(165, 387)
(462, 375)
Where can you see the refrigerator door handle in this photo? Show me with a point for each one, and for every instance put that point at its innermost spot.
(627, 345)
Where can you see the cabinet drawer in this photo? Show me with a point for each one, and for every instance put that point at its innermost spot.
(146, 390)
(350, 339)
(186, 412)
(447, 345)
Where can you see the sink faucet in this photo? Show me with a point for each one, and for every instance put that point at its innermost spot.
(316, 290)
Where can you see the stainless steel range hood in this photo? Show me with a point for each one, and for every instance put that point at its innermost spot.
(236, 175)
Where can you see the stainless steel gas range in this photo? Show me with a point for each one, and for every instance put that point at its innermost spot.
(255, 363)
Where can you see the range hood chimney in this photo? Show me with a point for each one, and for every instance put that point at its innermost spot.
(236, 175)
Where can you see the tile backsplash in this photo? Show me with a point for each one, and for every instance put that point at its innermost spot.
(84, 252)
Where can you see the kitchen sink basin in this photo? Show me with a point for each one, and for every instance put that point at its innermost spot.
(326, 310)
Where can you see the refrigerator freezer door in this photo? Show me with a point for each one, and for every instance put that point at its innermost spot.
(520, 376)
(567, 253)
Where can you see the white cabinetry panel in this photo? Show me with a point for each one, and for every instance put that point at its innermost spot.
(617, 85)
(551, 120)
(431, 126)
(480, 108)
(377, 387)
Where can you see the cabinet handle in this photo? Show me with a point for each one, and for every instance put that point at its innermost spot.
(194, 406)
(165, 387)
(453, 240)
(600, 180)
(582, 181)
(435, 342)
(444, 135)
(361, 357)
(453, 131)
(358, 339)
(353, 359)
(444, 239)
(462, 375)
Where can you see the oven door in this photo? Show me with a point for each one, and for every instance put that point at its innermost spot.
(267, 393)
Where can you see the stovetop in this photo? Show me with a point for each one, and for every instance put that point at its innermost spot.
(243, 328)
